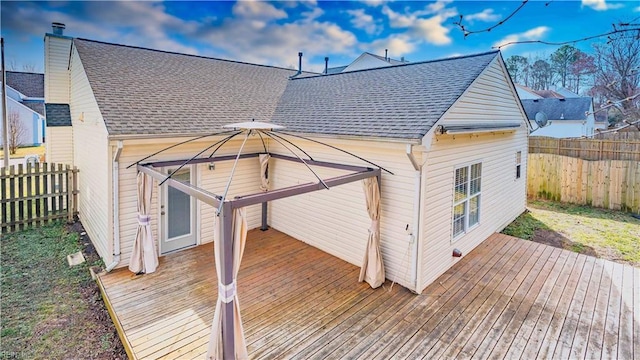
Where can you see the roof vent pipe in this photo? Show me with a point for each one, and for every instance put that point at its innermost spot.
(386, 52)
(58, 28)
(326, 65)
(300, 63)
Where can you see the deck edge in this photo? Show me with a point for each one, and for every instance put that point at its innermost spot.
(114, 318)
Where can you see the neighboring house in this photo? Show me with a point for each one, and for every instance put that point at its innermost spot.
(365, 61)
(570, 117)
(25, 99)
(452, 131)
(525, 92)
(565, 93)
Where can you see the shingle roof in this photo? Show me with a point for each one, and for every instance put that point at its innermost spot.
(402, 101)
(557, 109)
(35, 106)
(143, 91)
(29, 84)
(58, 115)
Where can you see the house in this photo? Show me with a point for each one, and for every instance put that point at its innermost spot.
(452, 132)
(25, 101)
(567, 117)
(525, 92)
(364, 61)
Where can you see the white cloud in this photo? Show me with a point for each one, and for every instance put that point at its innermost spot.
(364, 21)
(258, 10)
(134, 23)
(373, 3)
(484, 15)
(601, 5)
(268, 42)
(438, 5)
(429, 29)
(533, 34)
(398, 46)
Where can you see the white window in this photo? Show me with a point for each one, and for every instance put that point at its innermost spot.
(466, 199)
(518, 164)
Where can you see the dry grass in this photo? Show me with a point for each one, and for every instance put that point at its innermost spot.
(609, 234)
(24, 151)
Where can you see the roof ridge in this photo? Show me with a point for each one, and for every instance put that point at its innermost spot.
(405, 64)
(191, 55)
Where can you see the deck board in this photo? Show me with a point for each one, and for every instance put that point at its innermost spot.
(508, 298)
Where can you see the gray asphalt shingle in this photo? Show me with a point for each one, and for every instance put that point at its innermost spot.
(402, 101)
(58, 115)
(29, 84)
(142, 91)
(557, 109)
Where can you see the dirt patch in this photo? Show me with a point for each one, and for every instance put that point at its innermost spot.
(555, 239)
(103, 338)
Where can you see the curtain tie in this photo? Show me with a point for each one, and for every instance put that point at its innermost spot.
(375, 226)
(144, 220)
(226, 293)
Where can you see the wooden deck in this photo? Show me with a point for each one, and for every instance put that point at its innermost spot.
(509, 298)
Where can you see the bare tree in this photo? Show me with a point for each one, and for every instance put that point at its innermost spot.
(16, 131)
(29, 67)
(582, 68)
(618, 74)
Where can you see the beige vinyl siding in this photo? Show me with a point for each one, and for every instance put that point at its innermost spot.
(92, 158)
(336, 220)
(245, 181)
(59, 145)
(56, 72)
(503, 197)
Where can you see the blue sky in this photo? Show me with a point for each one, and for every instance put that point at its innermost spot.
(273, 32)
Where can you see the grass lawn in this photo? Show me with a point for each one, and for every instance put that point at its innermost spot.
(51, 310)
(24, 151)
(608, 234)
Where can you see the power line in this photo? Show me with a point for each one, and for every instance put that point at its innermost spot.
(616, 31)
(469, 32)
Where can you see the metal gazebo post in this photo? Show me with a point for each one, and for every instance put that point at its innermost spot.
(226, 236)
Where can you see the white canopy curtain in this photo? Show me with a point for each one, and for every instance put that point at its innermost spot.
(372, 270)
(229, 293)
(144, 257)
(264, 171)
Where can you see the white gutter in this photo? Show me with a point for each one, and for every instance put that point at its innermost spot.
(116, 219)
(414, 236)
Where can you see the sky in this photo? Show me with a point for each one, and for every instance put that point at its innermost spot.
(272, 33)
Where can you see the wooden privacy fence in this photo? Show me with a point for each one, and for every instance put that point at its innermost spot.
(586, 149)
(36, 195)
(613, 184)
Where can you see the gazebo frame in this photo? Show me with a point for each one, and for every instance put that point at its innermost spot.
(226, 207)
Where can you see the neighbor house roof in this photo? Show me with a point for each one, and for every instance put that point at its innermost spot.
(143, 91)
(549, 94)
(558, 109)
(28, 84)
(35, 106)
(402, 101)
(58, 115)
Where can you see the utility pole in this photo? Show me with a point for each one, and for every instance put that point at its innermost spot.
(5, 122)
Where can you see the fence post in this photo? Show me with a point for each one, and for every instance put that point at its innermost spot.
(69, 192)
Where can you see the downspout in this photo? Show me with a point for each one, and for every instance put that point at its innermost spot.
(116, 219)
(414, 236)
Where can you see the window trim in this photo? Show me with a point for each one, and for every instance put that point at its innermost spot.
(466, 201)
